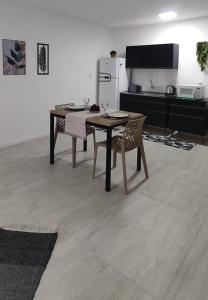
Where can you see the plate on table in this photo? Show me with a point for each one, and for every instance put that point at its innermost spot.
(76, 108)
(117, 115)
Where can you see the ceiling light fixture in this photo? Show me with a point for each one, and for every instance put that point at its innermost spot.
(169, 15)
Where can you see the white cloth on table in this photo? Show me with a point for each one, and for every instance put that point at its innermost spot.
(75, 123)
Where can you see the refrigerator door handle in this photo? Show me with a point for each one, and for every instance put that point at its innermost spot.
(104, 77)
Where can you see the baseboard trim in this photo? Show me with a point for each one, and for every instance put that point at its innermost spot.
(23, 140)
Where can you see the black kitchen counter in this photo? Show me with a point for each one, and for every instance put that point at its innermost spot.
(151, 95)
(166, 96)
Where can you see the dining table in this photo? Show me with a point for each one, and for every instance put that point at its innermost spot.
(98, 121)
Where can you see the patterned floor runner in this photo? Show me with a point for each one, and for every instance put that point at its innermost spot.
(169, 141)
(157, 138)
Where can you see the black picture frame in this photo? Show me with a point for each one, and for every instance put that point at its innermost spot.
(42, 59)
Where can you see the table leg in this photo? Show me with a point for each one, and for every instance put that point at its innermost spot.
(85, 145)
(51, 139)
(74, 151)
(108, 160)
(138, 159)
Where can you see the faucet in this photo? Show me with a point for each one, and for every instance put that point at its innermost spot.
(151, 85)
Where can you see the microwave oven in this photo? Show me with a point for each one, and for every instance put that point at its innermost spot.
(191, 91)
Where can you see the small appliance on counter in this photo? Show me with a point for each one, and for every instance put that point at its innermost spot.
(189, 91)
(133, 88)
(170, 90)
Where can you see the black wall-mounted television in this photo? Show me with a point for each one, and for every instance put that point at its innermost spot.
(160, 56)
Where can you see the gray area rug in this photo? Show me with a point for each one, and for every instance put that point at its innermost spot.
(23, 259)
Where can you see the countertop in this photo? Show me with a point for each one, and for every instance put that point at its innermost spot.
(162, 95)
(151, 94)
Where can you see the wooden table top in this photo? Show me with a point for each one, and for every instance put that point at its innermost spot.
(99, 120)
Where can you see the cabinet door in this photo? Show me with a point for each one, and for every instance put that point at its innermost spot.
(199, 112)
(129, 104)
(157, 119)
(156, 112)
(187, 124)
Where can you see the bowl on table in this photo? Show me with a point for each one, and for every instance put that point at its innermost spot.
(94, 108)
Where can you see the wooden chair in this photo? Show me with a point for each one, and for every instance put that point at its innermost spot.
(60, 128)
(131, 138)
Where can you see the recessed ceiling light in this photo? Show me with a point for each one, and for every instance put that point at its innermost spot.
(169, 15)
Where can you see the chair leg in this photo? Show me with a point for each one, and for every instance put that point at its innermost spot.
(95, 159)
(144, 159)
(55, 136)
(74, 144)
(124, 172)
(94, 140)
(85, 145)
(114, 158)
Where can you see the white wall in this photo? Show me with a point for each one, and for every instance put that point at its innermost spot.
(186, 34)
(75, 47)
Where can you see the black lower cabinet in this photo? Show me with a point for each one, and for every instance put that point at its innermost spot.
(176, 114)
(155, 118)
(187, 124)
(154, 109)
(188, 116)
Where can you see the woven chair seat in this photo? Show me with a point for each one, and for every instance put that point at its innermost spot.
(128, 141)
(117, 141)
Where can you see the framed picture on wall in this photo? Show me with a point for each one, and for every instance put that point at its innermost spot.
(42, 59)
(14, 57)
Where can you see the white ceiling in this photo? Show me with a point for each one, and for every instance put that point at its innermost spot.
(117, 13)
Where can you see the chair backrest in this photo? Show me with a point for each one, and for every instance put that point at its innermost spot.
(59, 106)
(132, 133)
(61, 122)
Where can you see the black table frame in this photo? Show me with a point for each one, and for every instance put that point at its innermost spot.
(108, 148)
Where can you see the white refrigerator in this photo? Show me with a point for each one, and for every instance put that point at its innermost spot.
(113, 79)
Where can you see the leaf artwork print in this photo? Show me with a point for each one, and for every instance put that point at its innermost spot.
(42, 59)
(14, 57)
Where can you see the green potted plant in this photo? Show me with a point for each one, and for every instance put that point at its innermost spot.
(202, 55)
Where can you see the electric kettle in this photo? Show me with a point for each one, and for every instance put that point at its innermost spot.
(170, 90)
